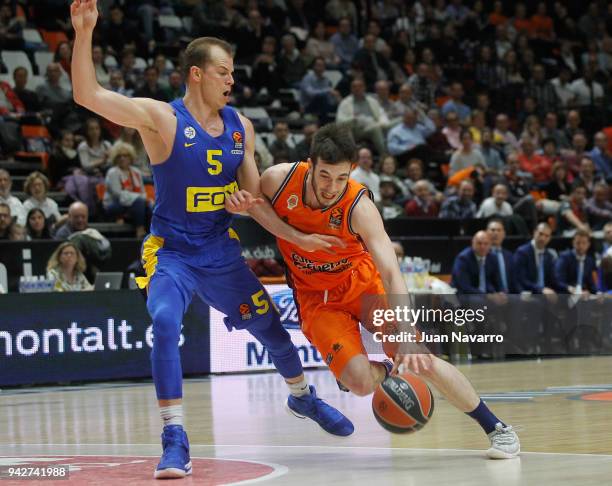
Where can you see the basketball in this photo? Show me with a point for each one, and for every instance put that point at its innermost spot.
(403, 403)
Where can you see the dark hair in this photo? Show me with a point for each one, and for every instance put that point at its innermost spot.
(334, 144)
(45, 234)
(198, 52)
(19, 68)
(496, 220)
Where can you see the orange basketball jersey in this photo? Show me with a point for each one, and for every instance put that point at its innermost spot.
(318, 270)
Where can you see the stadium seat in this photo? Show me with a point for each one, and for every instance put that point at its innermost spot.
(258, 115)
(34, 82)
(42, 60)
(53, 38)
(170, 22)
(15, 59)
(32, 36)
(3, 279)
(188, 23)
(140, 64)
(333, 76)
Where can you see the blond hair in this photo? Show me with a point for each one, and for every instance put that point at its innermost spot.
(53, 263)
(32, 177)
(122, 147)
(198, 53)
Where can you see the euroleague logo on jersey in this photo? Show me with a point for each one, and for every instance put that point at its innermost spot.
(238, 145)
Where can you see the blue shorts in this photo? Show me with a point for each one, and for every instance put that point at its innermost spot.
(217, 273)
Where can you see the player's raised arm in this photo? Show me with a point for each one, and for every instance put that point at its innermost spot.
(139, 113)
(250, 198)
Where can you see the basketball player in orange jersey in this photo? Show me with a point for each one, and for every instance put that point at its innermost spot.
(319, 197)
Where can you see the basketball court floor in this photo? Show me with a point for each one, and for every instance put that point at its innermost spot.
(240, 433)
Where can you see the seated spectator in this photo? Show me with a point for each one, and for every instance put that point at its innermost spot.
(382, 89)
(131, 75)
(601, 155)
(504, 258)
(117, 84)
(552, 131)
(456, 104)
(388, 172)
(386, 206)
(587, 91)
(318, 46)
(67, 267)
(550, 152)
(345, 43)
(474, 269)
(17, 211)
(53, 96)
(151, 87)
(437, 141)
(317, 94)
(461, 205)
(28, 98)
(502, 136)
(407, 101)
(77, 220)
(94, 151)
(477, 125)
(176, 86)
(18, 233)
(599, 207)
(119, 31)
(102, 74)
(542, 91)
(125, 191)
(452, 130)
(251, 35)
(11, 29)
(37, 226)
(302, 148)
(364, 173)
(63, 56)
(494, 164)
(497, 204)
(36, 186)
(559, 187)
(538, 166)
(573, 156)
(534, 263)
(64, 157)
(11, 106)
(367, 119)
(131, 136)
(6, 221)
(423, 204)
(533, 130)
(282, 143)
(572, 214)
(586, 175)
(291, 65)
(466, 156)
(574, 268)
(408, 139)
(563, 82)
(422, 85)
(265, 74)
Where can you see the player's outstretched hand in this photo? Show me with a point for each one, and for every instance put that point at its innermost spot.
(241, 201)
(316, 242)
(84, 15)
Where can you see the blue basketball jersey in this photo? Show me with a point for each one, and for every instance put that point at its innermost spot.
(191, 186)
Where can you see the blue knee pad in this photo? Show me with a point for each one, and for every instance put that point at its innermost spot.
(269, 331)
(165, 356)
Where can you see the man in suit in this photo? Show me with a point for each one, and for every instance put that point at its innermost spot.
(574, 268)
(503, 258)
(534, 263)
(475, 269)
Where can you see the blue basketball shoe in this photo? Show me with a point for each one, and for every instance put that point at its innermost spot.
(175, 461)
(330, 419)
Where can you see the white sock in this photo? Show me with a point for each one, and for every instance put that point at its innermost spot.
(299, 389)
(172, 415)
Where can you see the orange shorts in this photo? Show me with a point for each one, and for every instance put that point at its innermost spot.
(332, 324)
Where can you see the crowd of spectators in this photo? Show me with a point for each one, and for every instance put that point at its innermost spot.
(463, 109)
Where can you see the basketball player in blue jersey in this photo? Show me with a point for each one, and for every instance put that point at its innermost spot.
(201, 151)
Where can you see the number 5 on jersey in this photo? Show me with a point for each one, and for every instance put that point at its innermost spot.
(216, 166)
